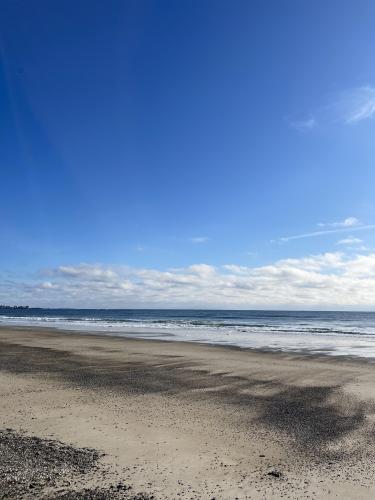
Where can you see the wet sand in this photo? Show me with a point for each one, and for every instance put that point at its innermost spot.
(180, 420)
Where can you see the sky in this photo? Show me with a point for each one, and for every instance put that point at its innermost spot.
(187, 153)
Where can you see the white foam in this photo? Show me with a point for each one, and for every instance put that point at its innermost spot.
(318, 339)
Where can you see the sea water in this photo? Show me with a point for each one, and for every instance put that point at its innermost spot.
(328, 332)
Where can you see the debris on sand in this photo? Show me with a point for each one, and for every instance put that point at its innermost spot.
(275, 473)
(30, 465)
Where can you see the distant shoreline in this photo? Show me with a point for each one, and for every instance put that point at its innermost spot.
(195, 309)
(16, 308)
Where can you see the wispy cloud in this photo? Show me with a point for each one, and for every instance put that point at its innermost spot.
(323, 280)
(356, 105)
(306, 123)
(348, 222)
(251, 253)
(347, 107)
(199, 239)
(349, 241)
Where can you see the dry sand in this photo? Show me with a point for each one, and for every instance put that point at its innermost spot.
(180, 420)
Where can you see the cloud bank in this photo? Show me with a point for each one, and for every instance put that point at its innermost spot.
(330, 280)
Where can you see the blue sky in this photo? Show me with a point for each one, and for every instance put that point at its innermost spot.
(153, 136)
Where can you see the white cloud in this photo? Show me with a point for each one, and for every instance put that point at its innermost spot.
(84, 271)
(202, 269)
(349, 241)
(251, 254)
(348, 222)
(199, 239)
(335, 280)
(47, 285)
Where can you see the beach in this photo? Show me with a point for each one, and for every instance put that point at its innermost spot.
(132, 418)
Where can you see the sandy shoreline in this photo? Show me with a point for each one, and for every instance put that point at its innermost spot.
(182, 420)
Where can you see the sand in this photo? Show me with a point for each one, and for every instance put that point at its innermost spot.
(180, 420)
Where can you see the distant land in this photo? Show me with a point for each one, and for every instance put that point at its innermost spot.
(3, 306)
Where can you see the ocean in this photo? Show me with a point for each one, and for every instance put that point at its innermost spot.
(328, 332)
